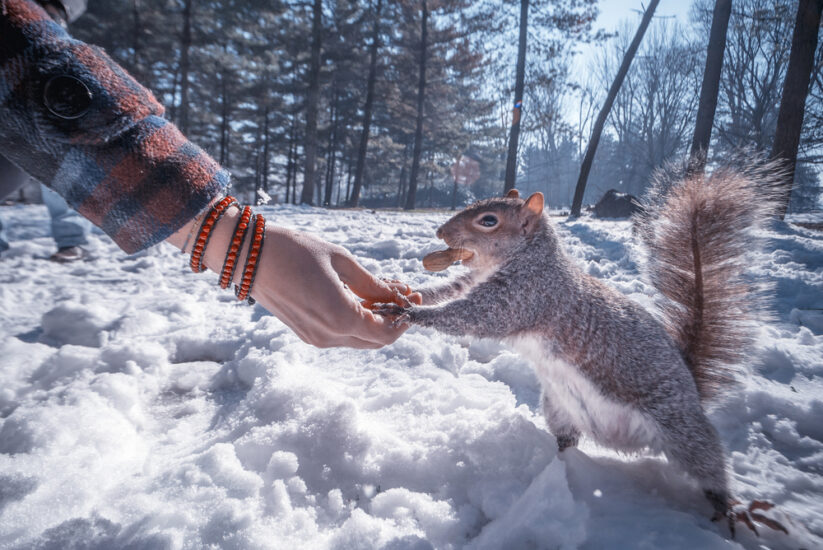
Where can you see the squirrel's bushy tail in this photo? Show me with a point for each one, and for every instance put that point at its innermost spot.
(697, 229)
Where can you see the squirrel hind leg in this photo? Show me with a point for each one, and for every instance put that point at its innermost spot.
(692, 442)
(560, 424)
(722, 508)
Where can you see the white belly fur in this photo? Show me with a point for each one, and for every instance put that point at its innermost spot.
(605, 420)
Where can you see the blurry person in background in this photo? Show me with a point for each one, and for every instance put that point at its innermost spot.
(68, 228)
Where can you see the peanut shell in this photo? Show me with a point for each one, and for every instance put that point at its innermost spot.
(442, 259)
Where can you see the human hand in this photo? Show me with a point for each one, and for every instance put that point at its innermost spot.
(312, 286)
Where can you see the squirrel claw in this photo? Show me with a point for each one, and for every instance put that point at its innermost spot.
(750, 515)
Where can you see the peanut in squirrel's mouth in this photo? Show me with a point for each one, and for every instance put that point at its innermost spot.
(442, 259)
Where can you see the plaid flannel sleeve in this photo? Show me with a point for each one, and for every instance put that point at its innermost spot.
(75, 120)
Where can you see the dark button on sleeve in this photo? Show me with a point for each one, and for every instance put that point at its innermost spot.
(67, 97)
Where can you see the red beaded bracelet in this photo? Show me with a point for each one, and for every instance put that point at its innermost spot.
(203, 236)
(230, 264)
(250, 269)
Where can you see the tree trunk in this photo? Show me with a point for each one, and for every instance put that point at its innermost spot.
(421, 103)
(136, 70)
(348, 186)
(519, 84)
(795, 90)
(597, 130)
(368, 107)
(430, 178)
(174, 83)
(711, 85)
(224, 121)
(290, 160)
(332, 169)
(258, 163)
(265, 174)
(332, 149)
(401, 187)
(310, 147)
(339, 187)
(185, 45)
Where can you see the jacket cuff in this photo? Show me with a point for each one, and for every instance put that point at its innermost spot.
(142, 187)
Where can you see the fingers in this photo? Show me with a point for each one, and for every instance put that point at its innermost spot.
(399, 286)
(341, 322)
(360, 281)
(341, 341)
(359, 343)
(401, 299)
(373, 327)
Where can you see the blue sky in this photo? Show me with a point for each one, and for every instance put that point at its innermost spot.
(613, 12)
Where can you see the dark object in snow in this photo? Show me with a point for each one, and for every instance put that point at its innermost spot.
(615, 204)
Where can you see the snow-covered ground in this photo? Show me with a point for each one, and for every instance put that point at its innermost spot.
(142, 407)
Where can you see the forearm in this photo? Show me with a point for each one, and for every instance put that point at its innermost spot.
(459, 317)
(443, 292)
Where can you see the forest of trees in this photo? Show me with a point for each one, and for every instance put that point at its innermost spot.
(372, 102)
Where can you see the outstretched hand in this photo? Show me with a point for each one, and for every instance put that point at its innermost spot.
(313, 287)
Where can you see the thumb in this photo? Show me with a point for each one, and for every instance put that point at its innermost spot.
(360, 281)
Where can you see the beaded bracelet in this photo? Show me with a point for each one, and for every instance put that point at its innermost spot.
(262, 226)
(217, 211)
(250, 269)
(230, 264)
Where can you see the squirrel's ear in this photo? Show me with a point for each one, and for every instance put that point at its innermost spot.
(534, 204)
(513, 194)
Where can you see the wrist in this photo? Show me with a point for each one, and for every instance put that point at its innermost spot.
(220, 239)
(183, 239)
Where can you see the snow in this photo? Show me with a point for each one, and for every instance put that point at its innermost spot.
(143, 407)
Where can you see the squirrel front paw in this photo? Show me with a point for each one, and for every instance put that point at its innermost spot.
(399, 315)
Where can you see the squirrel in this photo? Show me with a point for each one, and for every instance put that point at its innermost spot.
(608, 368)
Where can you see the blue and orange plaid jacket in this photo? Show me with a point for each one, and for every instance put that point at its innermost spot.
(112, 156)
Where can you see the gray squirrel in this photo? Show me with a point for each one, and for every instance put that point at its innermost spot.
(608, 368)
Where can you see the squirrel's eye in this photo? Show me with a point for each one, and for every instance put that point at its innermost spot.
(488, 220)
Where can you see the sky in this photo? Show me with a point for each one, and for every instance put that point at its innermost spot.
(613, 12)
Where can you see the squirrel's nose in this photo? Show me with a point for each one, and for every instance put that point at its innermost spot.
(439, 232)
